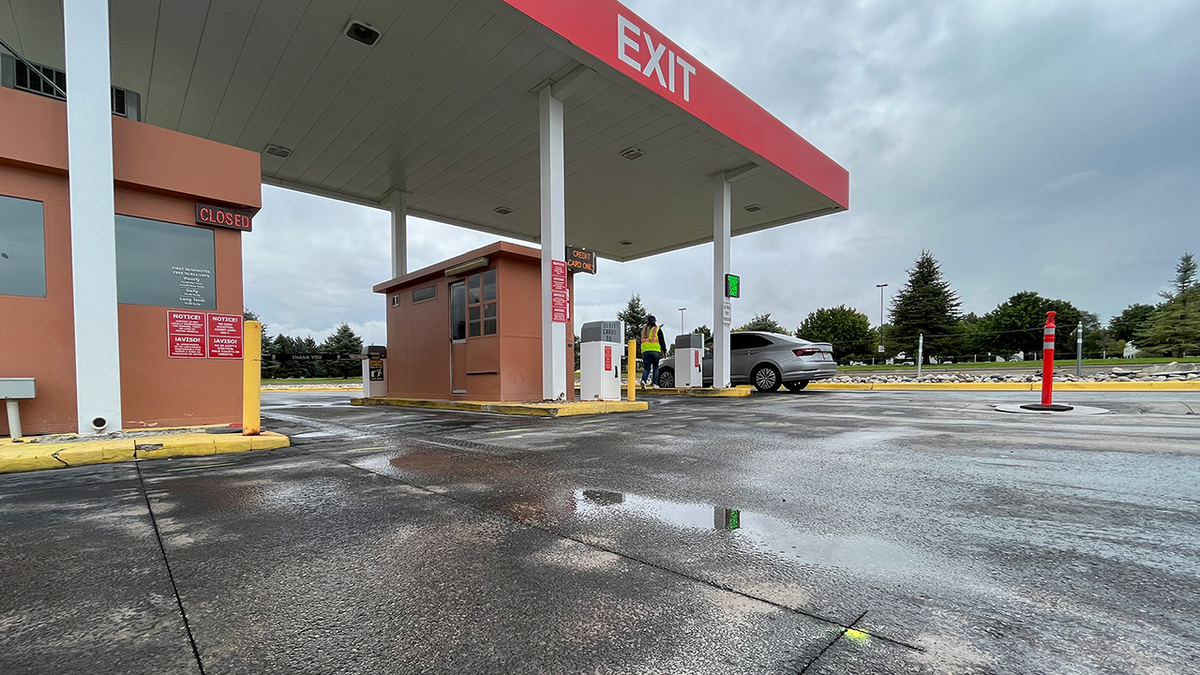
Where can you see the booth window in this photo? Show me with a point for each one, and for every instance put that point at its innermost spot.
(22, 248)
(481, 296)
(427, 293)
(165, 264)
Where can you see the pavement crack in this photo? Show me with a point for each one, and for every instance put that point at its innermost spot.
(832, 642)
(55, 456)
(170, 575)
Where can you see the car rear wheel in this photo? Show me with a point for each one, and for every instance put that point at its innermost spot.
(666, 378)
(796, 386)
(765, 378)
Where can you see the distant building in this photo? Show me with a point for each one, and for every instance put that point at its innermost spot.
(1131, 350)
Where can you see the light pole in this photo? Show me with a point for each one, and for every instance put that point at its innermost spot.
(681, 311)
(881, 287)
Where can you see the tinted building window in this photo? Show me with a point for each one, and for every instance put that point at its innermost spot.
(165, 264)
(22, 248)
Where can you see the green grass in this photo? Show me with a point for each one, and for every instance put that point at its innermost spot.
(1022, 364)
(314, 380)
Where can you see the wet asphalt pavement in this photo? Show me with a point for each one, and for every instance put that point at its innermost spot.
(821, 532)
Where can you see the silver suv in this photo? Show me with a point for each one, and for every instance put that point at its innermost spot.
(765, 360)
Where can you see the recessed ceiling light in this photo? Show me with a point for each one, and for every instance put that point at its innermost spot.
(361, 31)
(631, 153)
(503, 210)
(278, 151)
(627, 243)
(754, 207)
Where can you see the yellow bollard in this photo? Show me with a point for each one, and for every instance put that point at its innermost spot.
(251, 378)
(631, 372)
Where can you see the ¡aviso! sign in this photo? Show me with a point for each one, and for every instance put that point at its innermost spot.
(199, 335)
(219, 216)
(560, 295)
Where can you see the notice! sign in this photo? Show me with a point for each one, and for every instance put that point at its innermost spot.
(560, 297)
(224, 336)
(186, 335)
(199, 335)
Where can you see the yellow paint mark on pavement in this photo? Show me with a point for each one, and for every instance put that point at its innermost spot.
(857, 635)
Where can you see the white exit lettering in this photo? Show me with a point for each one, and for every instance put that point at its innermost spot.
(627, 32)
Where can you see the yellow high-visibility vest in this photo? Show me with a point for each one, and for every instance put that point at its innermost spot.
(651, 343)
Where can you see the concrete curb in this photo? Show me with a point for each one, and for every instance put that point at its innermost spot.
(1012, 386)
(567, 409)
(28, 456)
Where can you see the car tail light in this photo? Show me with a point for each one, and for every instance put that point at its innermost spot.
(806, 351)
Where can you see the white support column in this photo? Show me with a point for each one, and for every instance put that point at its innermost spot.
(554, 241)
(722, 227)
(399, 207)
(93, 226)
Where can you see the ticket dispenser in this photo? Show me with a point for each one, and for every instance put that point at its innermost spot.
(600, 361)
(375, 372)
(689, 359)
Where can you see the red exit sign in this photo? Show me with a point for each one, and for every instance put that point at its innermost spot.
(219, 216)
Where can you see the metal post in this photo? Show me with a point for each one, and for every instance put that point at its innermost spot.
(681, 328)
(880, 287)
(14, 418)
(722, 227)
(93, 225)
(1079, 353)
(920, 352)
(631, 372)
(399, 209)
(554, 242)
(251, 378)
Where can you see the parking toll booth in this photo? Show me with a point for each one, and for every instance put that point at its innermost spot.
(689, 357)
(469, 328)
(375, 371)
(600, 361)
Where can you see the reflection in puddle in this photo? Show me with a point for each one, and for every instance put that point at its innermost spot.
(759, 530)
(544, 498)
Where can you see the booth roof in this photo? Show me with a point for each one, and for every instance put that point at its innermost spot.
(491, 251)
(443, 108)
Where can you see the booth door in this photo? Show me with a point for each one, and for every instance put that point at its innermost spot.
(458, 338)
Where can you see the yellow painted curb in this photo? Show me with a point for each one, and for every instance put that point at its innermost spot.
(351, 390)
(566, 409)
(32, 456)
(699, 392)
(1012, 386)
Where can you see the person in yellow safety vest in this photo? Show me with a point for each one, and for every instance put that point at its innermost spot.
(653, 345)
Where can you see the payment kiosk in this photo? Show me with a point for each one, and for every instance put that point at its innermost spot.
(689, 357)
(600, 361)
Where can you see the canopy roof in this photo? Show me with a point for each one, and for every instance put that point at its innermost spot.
(444, 108)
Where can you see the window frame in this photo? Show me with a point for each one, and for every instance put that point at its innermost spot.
(477, 311)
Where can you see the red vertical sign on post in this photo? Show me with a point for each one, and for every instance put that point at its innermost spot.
(560, 297)
(224, 336)
(607, 358)
(186, 335)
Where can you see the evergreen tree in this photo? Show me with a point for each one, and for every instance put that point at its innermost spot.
(1175, 328)
(1133, 320)
(764, 322)
(343, 341)
(925, 304)
(1185, 277)
(703, 330)
(847, 329)
(634, 315)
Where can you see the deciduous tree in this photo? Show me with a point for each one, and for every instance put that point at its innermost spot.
(764, 322)
(847, 329)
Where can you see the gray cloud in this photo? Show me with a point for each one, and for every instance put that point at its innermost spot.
(1048, 146)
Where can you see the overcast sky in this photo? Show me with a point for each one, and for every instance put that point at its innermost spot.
(1040, 145)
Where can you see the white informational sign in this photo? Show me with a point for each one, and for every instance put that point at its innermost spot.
(726, 313)
(880, 349)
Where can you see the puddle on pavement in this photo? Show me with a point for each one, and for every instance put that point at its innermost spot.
(764, 532)
(541, 498)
